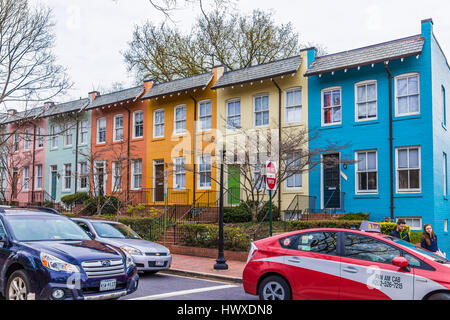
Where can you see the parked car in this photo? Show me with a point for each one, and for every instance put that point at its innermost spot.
(46, 256)
(149, 257)
(322, 264)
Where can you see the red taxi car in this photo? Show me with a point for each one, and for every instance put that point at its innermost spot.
(341, 264)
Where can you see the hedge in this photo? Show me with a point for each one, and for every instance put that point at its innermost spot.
(73, 199)
(242, 213)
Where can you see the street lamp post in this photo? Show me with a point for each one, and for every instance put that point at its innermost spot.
(221, 262)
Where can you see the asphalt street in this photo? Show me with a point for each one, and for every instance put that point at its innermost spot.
(169, 287)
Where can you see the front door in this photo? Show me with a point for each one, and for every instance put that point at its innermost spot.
(54, 181)
(331, 182)
(234, 191)
(159, 181)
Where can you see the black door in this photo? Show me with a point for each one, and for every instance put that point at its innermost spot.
(159, 182)
(332, 182)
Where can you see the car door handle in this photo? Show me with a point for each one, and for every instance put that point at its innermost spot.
(422, 280)
(350, 270)
(294, 260)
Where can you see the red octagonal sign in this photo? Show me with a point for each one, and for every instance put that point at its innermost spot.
(271, 175)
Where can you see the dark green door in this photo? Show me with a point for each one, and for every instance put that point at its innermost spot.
(54, 181)
(234, 190)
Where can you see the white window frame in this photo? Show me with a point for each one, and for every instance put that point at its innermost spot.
(114, 186)
(362, 192)
(27, 140)
(175, 120)
(115, 128)
(262, 185)
(40, 138)
(84, 132)
(38, 176)
(83, 176)
(444, 106)
(234, 100)
(402, 76)
(159, 124)
(55, 136)
(200, 127)
(200, 159)
(412, 218)
(261, 95)
(105, 176)
(446, 225)
(64, 182)
(365, 83)
(26, 178)
(135, 126)
(322, 93)
(68, 133)
(286, 107)
(133, 174)
(16, 145)
(98, 130)
(181, 172)
(295, 188)
(402, 191)
(445, 173)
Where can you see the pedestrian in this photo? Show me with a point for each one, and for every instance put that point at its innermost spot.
(429, 239)
(400, 231)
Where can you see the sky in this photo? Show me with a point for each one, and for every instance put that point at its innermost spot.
(91, 34)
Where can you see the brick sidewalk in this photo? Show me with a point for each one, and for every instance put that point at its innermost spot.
(204, 267)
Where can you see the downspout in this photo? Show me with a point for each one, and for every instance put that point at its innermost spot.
(34, 162)
(280, 92)
(391, 143)
(195, 150)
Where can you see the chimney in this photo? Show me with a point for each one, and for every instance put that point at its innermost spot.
(48, 105)
(11, 112)
(218, 71)
(148, 84)
(427, 27)
(93, 95)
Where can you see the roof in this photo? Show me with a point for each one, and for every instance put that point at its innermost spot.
(259, 72)
(115, 97)
(171, 87)
(391, 50)
(23, 115)
(76, 105)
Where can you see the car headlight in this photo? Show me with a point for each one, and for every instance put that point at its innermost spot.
(168, 252)
(129, 259)
(55, 264)
(131, 250)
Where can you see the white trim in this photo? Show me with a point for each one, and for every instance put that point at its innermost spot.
(54, 135)
(199, 126)
(115, 128)
(322, 185)
(365, 83)
(412, 218)
(134, 124)
(286, 187)
(36, 177)
(154, 123)
(40, 133)
(27, 184)
(115, 188)
(199, 157)
(402, 76)
(64, 189)
(133, 165)
(81, 132)
(181, 106)
(27, 140)
(68, 129)
(105, 176)
(293, 89)
(260, 95)
(175, 174)
(362, 192)
(98, 130)
(80, 176)
(232, 100)
(403, 191)
(322, 106)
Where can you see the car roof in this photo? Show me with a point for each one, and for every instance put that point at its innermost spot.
(288, 234)
(34, 212)
(95, 220)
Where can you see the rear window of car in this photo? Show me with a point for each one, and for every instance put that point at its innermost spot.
(324, 242)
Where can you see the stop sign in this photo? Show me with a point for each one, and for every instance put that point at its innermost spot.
(271, 175)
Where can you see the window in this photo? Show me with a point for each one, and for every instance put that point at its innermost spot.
(294, 106)
(83, 175)
(68, 135)
(137, 174)
(67, 177)
(55, 136)
(261, 111)
(100, 177)
(101, 130)
(369, 249)
(84, 132)
(294, 171)
(180, 119)
(316, 242)
(204, 171)
(38, 174)
(27, 140)
(444, 107)
(234, 114)
(446, 225)
(258, 179)
(40, 137)
(180, 174)
(415, 223)
(158, 124)
(26, 178)
(117, 176)
(366, 172)
(366, 101)
(331, 106)
(205, 119)
(445, 174)
(138, 131)
(408, 169)
(407, 95)
(16, 141)
(118, 128)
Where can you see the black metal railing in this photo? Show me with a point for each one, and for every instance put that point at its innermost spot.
(300, 205)
(152, 196)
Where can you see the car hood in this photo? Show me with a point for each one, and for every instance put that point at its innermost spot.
(140, 244)
(77, 251)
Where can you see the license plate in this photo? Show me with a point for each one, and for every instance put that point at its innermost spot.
(159, 263)
(107, 285)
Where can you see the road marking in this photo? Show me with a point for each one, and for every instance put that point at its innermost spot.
(184, 292)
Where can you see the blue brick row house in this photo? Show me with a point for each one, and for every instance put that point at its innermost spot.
(388, 103)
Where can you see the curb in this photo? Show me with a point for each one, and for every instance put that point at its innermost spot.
(202, 275)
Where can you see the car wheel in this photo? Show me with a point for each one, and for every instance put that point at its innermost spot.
(274, 288)
(18, 286)
(440, 296)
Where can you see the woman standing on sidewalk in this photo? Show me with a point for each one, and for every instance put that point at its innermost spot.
(429, 239)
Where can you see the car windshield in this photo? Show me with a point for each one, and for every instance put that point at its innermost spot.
(420, 251)
(114, 231)
(45, 228)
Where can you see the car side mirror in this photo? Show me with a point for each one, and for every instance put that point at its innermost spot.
(2, 242)
(400, 262)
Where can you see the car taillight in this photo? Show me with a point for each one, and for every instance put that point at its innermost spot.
(252, 252)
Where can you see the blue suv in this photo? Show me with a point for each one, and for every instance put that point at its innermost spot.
(46, 256)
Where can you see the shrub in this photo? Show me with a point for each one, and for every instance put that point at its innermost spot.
(73, 199)
(48, 204)
(339, 224)
(110, 205)
(355, 216)
(237, 214)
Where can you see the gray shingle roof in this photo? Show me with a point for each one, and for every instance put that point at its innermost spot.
(259, 72)
(391, 50)
(115, 97)
(171, 87)
(76, 105)
(23, 115)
